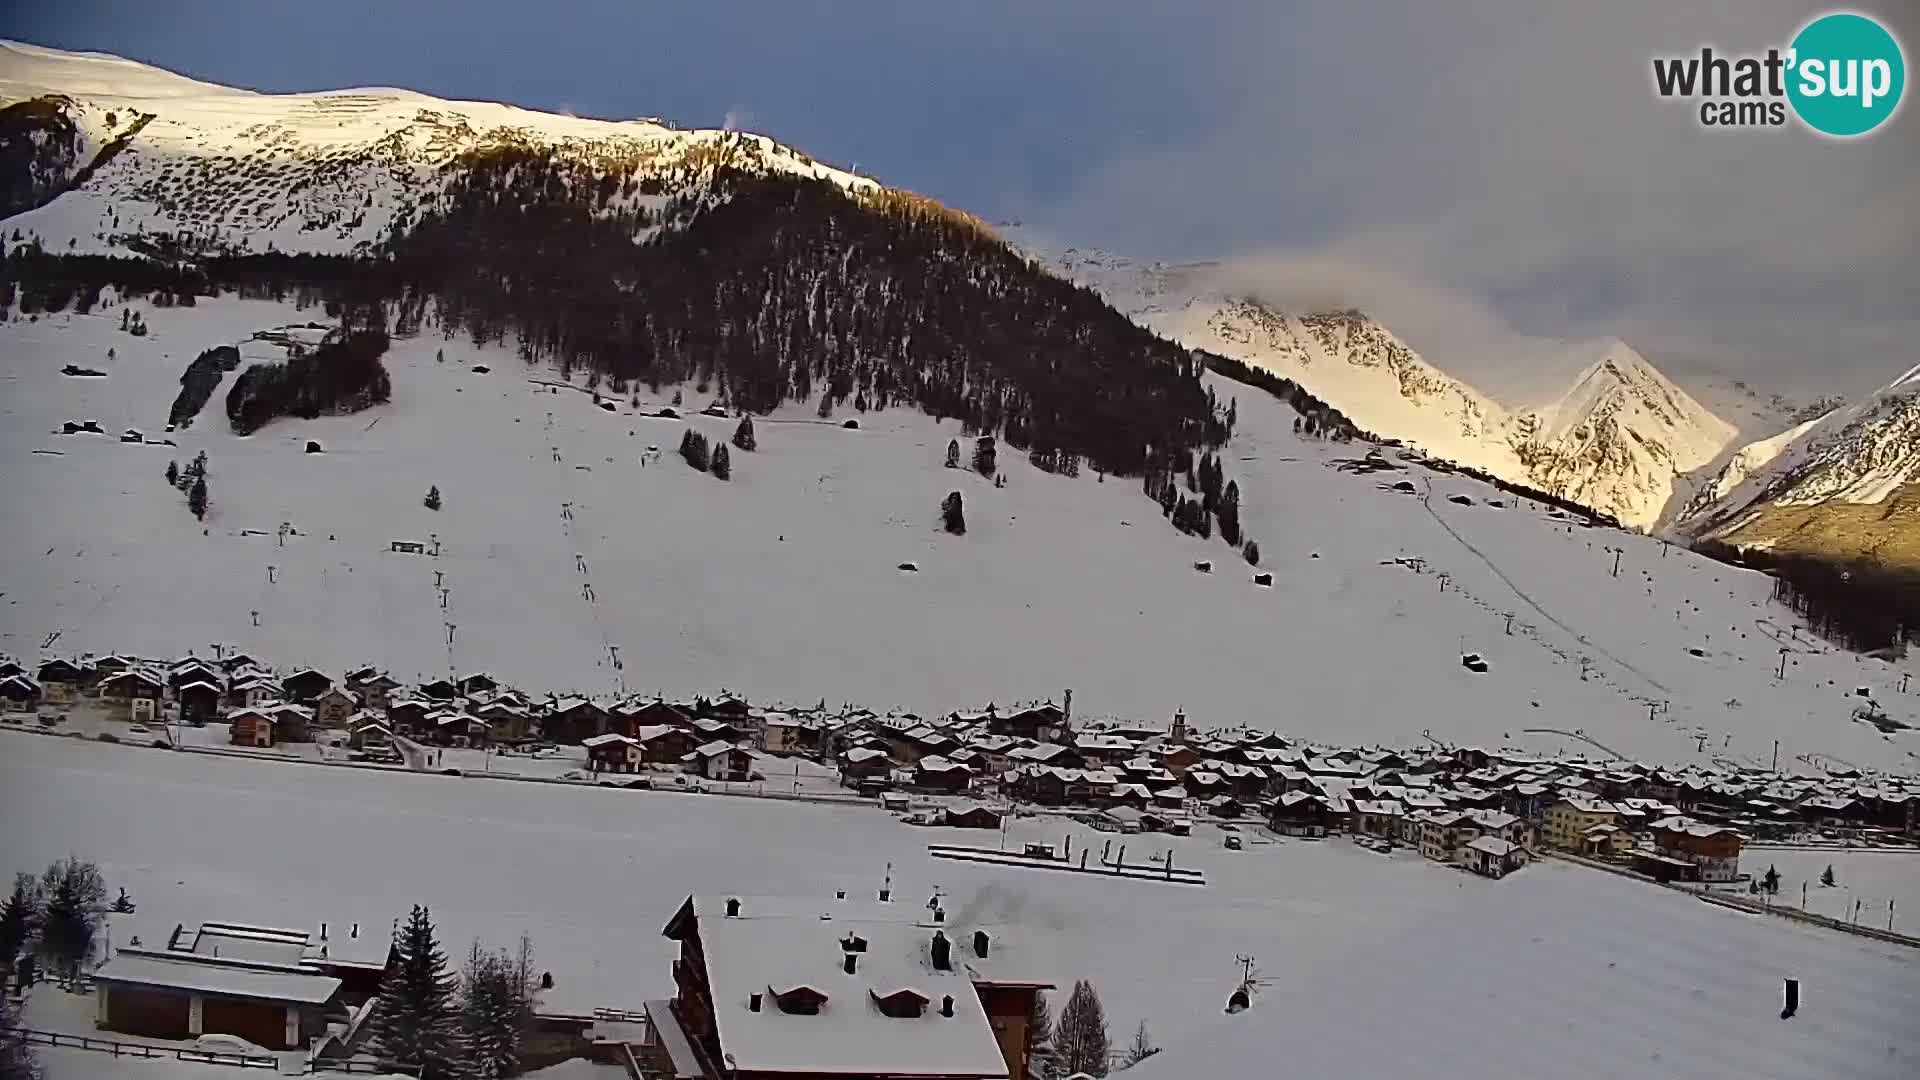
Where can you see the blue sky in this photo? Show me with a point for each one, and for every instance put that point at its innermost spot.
(1492, 177)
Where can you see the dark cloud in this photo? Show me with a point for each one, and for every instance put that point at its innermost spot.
(1490, 177)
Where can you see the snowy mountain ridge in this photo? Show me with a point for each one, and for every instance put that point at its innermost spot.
(1615, 440)
(1845, 482)
(167, 159)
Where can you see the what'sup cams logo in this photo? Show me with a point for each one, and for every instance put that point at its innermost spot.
(1842, 75)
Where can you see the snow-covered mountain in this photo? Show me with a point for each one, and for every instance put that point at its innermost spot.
(126, 156)
(1616, 440)
(1845, 484)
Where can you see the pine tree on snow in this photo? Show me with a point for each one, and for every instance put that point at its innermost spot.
(721, 464)
(432, 501)
(1040, 1033)
(743, 435)
(953, 516)
(496, 1006)
(417, 1020)
(20, 916)
(197, 498)
(173, 474)
(1826, 876)
(1253, 553)
(75, 896)
(1080, 1038)
(953, 453)
(16, 1055)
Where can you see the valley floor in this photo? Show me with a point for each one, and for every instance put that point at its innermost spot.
(1372, 963)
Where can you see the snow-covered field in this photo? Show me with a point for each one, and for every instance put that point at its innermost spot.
(1375, 964)
(559, 548)
(1873, 878)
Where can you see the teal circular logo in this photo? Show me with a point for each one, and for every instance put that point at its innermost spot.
(1847, 74)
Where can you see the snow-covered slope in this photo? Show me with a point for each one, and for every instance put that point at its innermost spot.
(1841, 484)
(785, 582)
(1615, 441)
(327, 173)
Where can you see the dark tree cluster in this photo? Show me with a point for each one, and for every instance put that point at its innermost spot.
(1316, 416)
(343, 375)
(953, 516)
(693, 449)
(985, 456)
(1860, 605)
(199, 381)
(1055, 461)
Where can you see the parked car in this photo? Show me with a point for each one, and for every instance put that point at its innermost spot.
(1232, 841)
(229, 1044)
(141, 728)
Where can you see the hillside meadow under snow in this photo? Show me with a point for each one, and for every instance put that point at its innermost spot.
(559, 547)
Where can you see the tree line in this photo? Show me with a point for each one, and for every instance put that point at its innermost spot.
(343, 375)
(1860, 604)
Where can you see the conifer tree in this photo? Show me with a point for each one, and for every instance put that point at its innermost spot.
(1080, 1039)
(20, 916)
(1253, 553)
(985, 456)
(197, 498)
(496, 1007)
(417, 1020)
(743, 435)
(1826, 876)
(75, 897)
(953, 453)
(432, 501)
(16, 1055)
(173, 474)
(1040, 1033)
(721, 464)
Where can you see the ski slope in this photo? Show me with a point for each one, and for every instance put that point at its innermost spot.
(1372, 963)
(560, 553)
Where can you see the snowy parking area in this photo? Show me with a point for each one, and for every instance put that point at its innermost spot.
(1390, 960)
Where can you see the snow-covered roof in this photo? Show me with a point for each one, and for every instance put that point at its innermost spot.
(1491, 845)
(763, 953)
(204, 978)
(609, 737)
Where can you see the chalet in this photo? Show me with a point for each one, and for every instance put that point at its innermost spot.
(9, 668)
(720, 761)
(976, 816)
(863, 763)
(506, 723)
(709, 730)
(359, 677)
(1379, 818)
(1224, 806)
(305, 687)
(440, 689)
(572, 720)
(252, 690)
(408, 715)
(199, 701)
(613, 752)
(765, 990)
(655, 713)
(664, 744)
(377, 691)
(478, 683)
(250, 727)
(236, 660)
(132, 694)
(19, 692)
(1714, 849)
(1171, 798)
(1048, 754)
(1100, 750)
(730, 709)
(1137, 796)
(112, 664)
(787, 734)
(1490, 856)
(1205, 784)
(1178, 759)
(1042, 723)
(273, 987)
(193, 669)
(366, 731)
(291, 723)
(1299, 814)
(61, 679)
(333, 706)
(935, 773)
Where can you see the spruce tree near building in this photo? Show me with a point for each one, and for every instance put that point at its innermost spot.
(1141, 1048)
(417, 1019)
(16, 1054)
(75, 898)
(20, 916)
(1040, 1034)
(1080, 1039)
(496, 1009)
